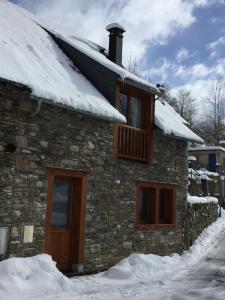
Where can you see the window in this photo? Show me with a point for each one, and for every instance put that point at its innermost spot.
(131, 108)
(155, 205)
(61, 206)
(134, 140)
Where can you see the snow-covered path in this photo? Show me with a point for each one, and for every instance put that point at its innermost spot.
(204, 280)
(198, 273)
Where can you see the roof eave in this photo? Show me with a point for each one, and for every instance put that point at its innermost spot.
(79, 111)
(139, 85)
(213, 149)
(181, 138)
(58, 104)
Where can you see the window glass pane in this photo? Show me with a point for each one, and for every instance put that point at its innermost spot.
(136, 112)
(147, 214)
(61, 204)
(165, 206)
(123, 104)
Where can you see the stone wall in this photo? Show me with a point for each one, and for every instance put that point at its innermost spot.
(59, 137)
(199, 216)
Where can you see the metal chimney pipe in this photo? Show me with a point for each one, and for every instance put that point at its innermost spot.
(115, 42)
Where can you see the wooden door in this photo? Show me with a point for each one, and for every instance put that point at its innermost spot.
(65, 217)
(212, 162)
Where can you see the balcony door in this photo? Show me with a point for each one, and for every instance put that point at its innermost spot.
(131, 108)
(135, 139)
(65, 217)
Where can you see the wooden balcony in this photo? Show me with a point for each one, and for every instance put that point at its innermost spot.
(131, 143)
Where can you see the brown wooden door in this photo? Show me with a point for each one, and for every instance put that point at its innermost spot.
(65, 218)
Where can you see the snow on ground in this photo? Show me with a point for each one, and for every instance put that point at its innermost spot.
(138, 277)
(196, 199)
(28, 55)
(27, 278)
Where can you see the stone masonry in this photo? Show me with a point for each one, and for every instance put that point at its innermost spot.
(199, 217)
(60, 137)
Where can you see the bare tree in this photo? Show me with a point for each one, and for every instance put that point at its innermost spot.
(132, 65)
(213, 122)
(171, 100)
(186, 105)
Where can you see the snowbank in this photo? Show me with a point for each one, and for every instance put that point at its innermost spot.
(27, 278)
(38, 278)
(196, 199)
(28, 55)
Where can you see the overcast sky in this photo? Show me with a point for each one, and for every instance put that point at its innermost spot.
(178, 42)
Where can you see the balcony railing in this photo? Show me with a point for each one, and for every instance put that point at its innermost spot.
(132, 143)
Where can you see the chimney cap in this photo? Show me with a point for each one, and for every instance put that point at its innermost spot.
(112, 26)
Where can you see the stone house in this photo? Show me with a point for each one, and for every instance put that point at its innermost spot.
(211, 158)
(93, 164)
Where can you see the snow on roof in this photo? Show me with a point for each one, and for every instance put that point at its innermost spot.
(115, 25)
(85, 47)
(207, 148)
(29, 56)
(171, 123)
(167, 119)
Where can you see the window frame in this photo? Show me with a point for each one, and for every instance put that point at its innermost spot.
(146, 98)
(129, 108)
(148, 119)
(72, 181)
(79, 207)
(157, 186)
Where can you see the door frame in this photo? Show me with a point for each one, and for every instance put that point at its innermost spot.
(78, 215)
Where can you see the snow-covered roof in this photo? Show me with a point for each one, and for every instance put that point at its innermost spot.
(29, 56)
(166, 118)
(207, 148)
(171, 123)
(85, 47)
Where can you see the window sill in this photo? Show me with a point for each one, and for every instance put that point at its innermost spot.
(154, 227)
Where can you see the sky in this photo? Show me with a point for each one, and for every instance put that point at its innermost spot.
(180, 43)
